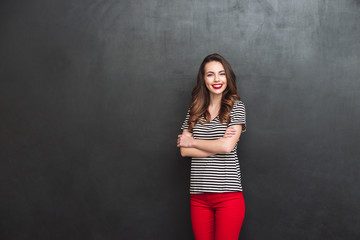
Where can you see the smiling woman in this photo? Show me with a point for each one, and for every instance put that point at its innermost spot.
(212, 128)
(215, 78)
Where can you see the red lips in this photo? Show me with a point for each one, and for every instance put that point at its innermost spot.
(217, 86)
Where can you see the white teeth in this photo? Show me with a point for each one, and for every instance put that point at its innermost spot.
(217, 85)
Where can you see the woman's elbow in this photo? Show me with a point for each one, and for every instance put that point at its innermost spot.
(182, 152)
(228, 148)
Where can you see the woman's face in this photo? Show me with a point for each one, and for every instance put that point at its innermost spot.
(215, 77)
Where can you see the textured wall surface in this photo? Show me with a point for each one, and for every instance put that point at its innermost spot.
(93, 94)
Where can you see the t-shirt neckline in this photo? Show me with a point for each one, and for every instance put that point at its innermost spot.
(214, 118)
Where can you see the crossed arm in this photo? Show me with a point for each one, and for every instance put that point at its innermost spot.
(190, 147)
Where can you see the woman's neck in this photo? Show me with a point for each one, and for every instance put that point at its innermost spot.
(215, 101)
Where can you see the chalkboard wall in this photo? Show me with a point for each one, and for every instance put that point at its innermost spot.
(93, 94)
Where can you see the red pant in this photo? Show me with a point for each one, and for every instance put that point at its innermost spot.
(217, 216)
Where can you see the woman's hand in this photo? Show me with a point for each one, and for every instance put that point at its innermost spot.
(230, 131)
(185, 140)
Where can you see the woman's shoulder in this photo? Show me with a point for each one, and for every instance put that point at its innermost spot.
(238, 104)
(238, 108)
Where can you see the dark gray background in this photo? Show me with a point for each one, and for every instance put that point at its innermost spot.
(93, 95)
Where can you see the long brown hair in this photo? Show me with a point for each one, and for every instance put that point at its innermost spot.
(201, 97)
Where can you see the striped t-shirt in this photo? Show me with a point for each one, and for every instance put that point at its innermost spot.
(220, 172)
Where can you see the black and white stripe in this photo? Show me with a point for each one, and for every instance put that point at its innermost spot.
(219, 172)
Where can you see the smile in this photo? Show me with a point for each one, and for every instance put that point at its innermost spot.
(217, 86)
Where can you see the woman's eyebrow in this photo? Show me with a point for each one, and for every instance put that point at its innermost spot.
(213, 72)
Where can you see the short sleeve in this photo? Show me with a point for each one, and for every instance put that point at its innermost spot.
(238, 115)
(185, 124)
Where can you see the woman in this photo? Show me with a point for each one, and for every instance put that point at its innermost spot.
(211, 130)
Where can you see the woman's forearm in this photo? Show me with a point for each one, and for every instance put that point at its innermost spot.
(194, 152)
(219, 145)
